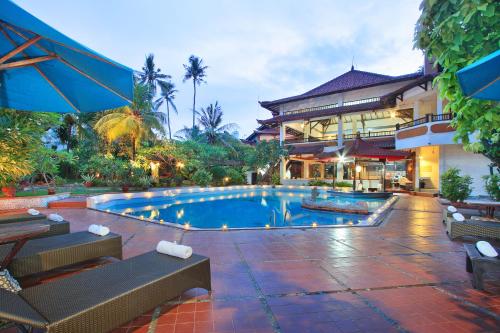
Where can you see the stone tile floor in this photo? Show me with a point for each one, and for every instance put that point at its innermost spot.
(403, 276)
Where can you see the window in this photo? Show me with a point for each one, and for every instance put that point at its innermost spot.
(315, 170)
(330, 170)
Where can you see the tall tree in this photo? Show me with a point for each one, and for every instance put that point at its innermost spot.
(135, 122)
(210, 119)
(455, 34)
(167, 96)
(151, 75)
(196, 71)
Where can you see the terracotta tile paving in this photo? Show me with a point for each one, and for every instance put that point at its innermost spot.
(403, 276)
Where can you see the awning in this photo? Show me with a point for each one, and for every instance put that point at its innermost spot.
(361, 149)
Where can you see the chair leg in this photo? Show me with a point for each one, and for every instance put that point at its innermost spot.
(477, 279)
(468, 264)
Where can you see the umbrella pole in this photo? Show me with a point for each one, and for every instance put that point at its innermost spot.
(383, 175)
(354, 182)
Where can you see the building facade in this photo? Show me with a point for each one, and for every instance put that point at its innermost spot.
(390, 112)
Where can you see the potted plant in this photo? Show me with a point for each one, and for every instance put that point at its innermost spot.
(87, 180)
(454, 187)
(7, 182)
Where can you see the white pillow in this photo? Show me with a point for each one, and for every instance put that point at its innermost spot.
(458, 217)
(452, 209)
(486, 249)
(33, 212)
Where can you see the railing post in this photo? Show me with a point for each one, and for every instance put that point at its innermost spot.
(397, 127)
(427, 117)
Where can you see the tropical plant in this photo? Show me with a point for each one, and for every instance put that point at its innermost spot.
(492, 185)
(202, 177)
(135, 122)
(454, 187)
(88, 179)
(234, 176)
(151, 75)
(196, 71)
(210, 119)
(167, 96)
(343, 184)
(275, 179)
(455, 34)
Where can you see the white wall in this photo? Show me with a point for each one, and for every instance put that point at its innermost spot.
(474, 165)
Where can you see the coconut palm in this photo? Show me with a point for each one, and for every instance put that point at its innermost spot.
(197, 72)
(135, 121)
(167, 96)
(210, 119)
(151, 75)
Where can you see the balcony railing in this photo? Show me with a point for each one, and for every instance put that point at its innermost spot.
(363, 135)
(429, 118)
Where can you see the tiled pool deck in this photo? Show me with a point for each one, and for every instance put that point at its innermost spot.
(403, 276)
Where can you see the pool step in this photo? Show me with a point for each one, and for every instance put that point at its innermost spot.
(72, 202)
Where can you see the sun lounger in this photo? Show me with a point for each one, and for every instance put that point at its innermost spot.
(20, 218)
(42, 255)
(102, 299)
(480, 265)
(481, 229)
(56, 228)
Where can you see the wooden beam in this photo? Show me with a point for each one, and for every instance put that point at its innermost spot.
(19, 49)
(26, 62)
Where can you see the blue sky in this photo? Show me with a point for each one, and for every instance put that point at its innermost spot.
(255, 49)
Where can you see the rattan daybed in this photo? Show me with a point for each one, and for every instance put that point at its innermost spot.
(42, 255)
(482, 229)
(102, 299)
(20, 218)
(480, 265)
(56, 228)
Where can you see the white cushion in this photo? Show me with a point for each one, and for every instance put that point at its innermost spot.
(452, 209)
(486, 249)
(458, 217)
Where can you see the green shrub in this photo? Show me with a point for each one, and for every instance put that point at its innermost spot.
(202, 177)
(317, 182)
(343, 184)
(492, 185)
(234, 177)
(454, 187)
(275, 179)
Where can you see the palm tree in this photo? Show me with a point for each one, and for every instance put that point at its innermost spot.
(136, 121)
(151, 75)
(210, 120)
(167, 95)
(195, 71)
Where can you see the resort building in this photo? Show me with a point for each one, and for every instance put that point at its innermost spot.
(402, 113)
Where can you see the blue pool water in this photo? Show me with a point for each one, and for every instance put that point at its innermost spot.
(238, 209)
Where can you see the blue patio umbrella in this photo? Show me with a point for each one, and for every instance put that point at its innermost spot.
(43, 70)
(481, 79)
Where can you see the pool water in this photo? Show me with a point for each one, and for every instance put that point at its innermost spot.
(239, 209)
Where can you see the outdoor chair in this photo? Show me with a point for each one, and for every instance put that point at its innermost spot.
(482, 229)
(56, 228)
(480, 265)
(20, 218)
(107, 297)
(43, 255)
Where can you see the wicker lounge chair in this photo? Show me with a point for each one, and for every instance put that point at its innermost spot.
(42, 255)
(102, 299)
(20, 218)
(56, 228)
(482, 229)
(480, 265)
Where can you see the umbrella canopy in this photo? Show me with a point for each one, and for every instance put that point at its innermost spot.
(481, 79)
(44, 70)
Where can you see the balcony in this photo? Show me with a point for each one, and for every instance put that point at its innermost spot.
(426, 131)
(364, 135)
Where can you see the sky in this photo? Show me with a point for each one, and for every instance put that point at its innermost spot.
(255, 50)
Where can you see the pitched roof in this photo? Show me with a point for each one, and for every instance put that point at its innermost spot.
(363, 148)
(351, 80)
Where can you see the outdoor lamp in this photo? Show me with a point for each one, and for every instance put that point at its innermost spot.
(358, 168)
(180, 165)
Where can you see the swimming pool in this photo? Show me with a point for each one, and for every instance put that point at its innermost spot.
(235, 207)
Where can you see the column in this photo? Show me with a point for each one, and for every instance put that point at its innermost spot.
(439, 105)
(340, 171)
(340, 131)
(307, 130)
(416, 109)
(282, 133)
(283, 160)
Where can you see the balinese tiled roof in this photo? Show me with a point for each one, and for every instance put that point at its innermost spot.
(354, 79)
(363, 148)
(325, 112)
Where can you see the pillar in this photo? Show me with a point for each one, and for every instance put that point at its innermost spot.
(283, 160)
(439, 105)
(416, 109)
(340, 131)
